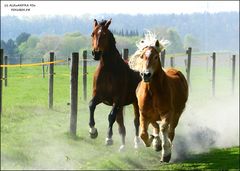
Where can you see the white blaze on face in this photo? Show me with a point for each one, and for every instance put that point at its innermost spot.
(99, 31)
(148, 53)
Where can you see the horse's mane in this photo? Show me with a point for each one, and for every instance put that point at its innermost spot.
(149, 39)
(112, 39)
(103, 22)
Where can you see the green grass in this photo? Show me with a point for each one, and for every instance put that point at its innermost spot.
(34, 137)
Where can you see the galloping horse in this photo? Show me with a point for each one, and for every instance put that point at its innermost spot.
(114, 83)
(161, 95)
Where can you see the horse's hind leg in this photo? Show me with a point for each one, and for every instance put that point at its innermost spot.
(92, 105)
(111, 120)
(173, 125)
(136, 124)
(121, 128)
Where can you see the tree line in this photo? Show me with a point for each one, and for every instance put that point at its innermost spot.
(214, 31)
(31, 47)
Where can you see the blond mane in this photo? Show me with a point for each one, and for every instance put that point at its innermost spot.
(149, 39)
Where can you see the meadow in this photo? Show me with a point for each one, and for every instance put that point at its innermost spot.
(35, 137)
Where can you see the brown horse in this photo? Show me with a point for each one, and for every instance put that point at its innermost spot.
(114, 83)
(162, 96)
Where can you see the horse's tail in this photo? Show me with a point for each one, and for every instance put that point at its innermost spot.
(184, 81)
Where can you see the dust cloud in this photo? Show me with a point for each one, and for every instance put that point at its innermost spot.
(207, 124)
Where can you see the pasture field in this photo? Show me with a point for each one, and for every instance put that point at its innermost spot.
(34, 137)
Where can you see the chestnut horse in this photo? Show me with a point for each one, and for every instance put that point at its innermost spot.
(162, 96)
(114, 83)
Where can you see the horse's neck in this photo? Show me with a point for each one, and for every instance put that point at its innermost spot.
(110, 57)
(158, 80)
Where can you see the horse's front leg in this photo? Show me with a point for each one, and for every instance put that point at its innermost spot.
(166, 144)
(92, 105)
(121, 127)
(144, 123)
(111, 119)
(136, 124)
(157, 144)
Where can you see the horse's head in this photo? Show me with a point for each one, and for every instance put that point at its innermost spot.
(100, 38)
(150, 61)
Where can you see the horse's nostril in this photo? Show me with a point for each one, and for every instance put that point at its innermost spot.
(147, 74)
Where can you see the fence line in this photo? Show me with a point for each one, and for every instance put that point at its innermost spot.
(213, 73)
(189, 53)
(5, 71)
(1, 79)
(74, 93)
(34, 64)
(51, 73)
(84, 64)
(233, 72)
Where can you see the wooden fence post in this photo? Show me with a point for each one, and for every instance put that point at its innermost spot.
(189, 53)
(43, 70)
(163, 53)
(233, 72)
(125, 55)
(84, 75)
(213, 73)
(74, 93)
(1, 79)
(51, 73)
(5, 71)
(172, 62)
(20, 60)
(68, 61)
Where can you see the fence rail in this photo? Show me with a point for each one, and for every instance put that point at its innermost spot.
(74, 61)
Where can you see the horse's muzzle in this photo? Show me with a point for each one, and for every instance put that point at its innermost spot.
(146, 76)
(97, 55)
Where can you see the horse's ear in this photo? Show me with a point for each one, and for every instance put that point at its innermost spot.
(108, 23)
(95, 23)
(157, 44)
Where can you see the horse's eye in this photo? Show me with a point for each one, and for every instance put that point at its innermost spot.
(156, 57)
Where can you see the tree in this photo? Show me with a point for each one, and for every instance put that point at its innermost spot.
(73, 42)
(11, 48)
(23, 37)
(190, 41)
(28, 49)
(3, 45)
(176, 45)
(48, 44)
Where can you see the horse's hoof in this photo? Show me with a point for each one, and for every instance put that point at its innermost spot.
(136, 142)
(122, 148)
(166, 158)
(157, 147)
(93, 133)
(109, 141)
(157, 144)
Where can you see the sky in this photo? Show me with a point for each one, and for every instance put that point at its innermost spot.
(79, 8)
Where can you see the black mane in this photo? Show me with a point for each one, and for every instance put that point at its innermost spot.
(103, 22)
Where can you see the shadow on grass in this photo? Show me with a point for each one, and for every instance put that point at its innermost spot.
(73, 137)
(215, 159)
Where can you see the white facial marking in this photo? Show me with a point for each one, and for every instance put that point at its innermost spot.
(148, 53)
(99, 31)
